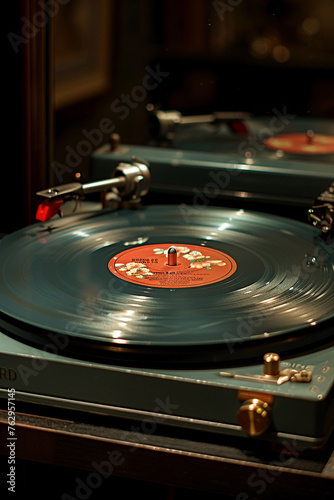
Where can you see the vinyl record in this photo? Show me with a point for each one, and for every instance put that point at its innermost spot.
(168, 284)
(303, 144)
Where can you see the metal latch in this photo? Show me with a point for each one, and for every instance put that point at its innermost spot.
(272, 374)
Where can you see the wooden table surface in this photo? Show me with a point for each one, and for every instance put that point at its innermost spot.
(85, 456)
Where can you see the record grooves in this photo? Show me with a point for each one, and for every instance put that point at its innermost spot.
(277, 293)
(180, 357)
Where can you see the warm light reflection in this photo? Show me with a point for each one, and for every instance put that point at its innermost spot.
(81, 234)
(142, 298)
(224, 226)
(281, 53)
(268, 301)
(116, 334)
(311, 26)
(289, 233)
(260, 47)
(129, 312)
(242, 194)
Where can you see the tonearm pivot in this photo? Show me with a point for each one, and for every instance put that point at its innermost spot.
(129, 182)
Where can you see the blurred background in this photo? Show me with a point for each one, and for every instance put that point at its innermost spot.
(78, 66)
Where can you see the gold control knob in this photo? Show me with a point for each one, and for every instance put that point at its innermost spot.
(271, 364)
(254, 416)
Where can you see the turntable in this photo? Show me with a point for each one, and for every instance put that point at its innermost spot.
(220, 321)
(282, 160)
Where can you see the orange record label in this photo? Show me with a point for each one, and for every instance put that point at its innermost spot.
(172, 266)
(302, 143)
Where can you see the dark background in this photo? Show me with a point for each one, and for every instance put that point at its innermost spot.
(227, 55)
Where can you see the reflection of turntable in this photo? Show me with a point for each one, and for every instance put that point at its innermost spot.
(215, 319)
(232, 157)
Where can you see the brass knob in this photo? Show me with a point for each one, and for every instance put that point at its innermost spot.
(271, 364)
(254, 416)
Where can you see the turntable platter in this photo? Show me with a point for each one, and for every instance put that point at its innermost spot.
(239, 280)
